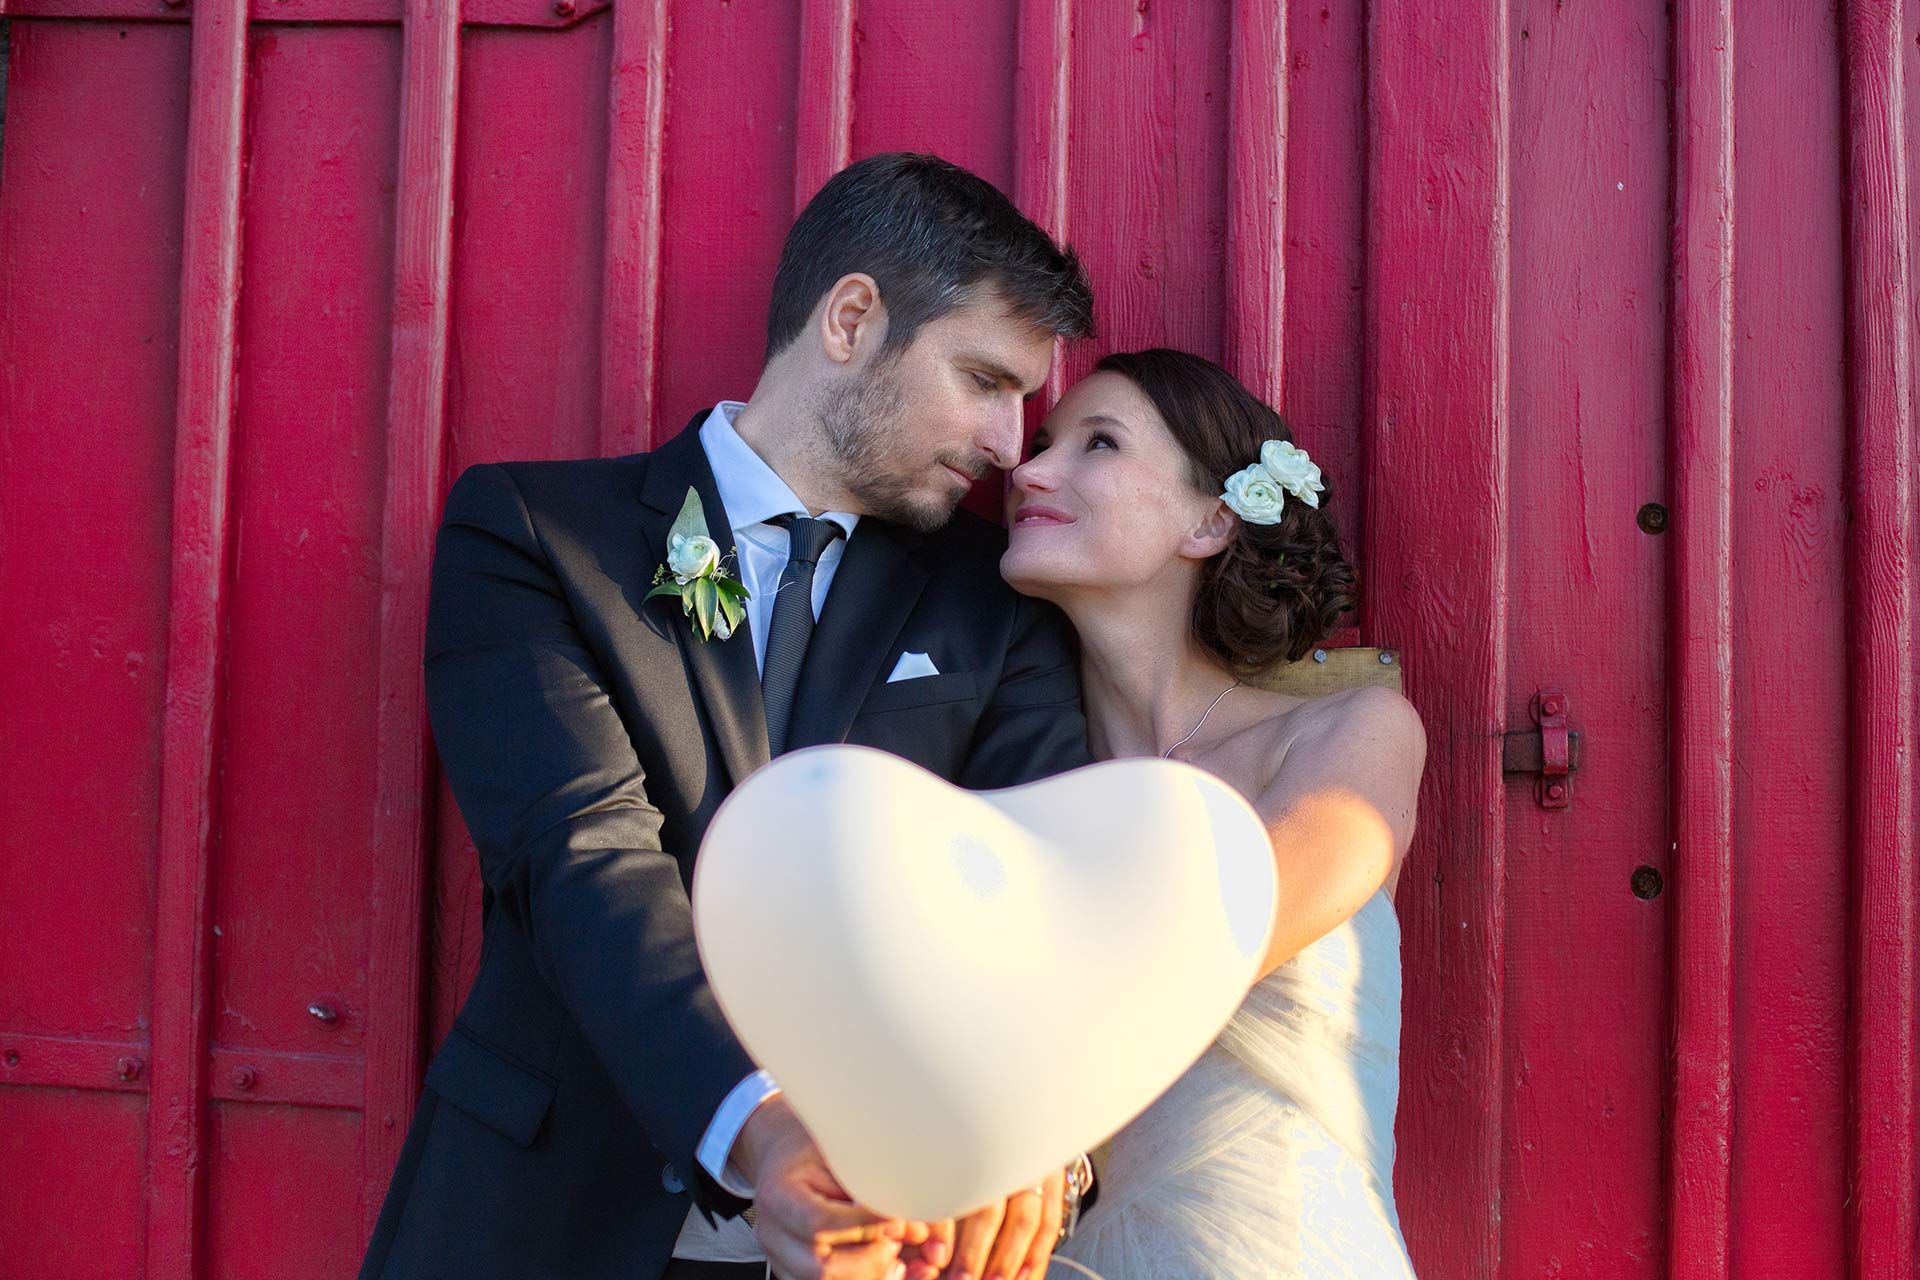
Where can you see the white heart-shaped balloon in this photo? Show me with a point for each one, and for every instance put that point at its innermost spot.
(960, 991)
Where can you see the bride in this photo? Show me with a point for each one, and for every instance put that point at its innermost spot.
(1273, 1155)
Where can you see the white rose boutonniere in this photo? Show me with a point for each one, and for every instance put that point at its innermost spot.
(696, 573)
(1293, 470)
(1254, 495)
(693, 557)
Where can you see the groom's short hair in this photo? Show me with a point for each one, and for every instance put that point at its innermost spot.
(932, 236)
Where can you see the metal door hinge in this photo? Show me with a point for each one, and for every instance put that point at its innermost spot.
(1550, 751)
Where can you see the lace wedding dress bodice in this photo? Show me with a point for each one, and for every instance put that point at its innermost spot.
(1272, 1157)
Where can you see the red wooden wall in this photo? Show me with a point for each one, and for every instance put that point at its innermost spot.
(1600, 318)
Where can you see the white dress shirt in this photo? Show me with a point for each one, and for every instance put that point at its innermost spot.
(752, 494)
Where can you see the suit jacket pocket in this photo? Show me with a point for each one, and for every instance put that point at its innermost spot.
(503, 1095)
(920, 691)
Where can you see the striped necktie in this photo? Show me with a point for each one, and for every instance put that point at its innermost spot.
(792, 624)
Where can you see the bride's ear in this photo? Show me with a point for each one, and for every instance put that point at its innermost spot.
(1211, 535)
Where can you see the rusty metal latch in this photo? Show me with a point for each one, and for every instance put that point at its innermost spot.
(1550, 751)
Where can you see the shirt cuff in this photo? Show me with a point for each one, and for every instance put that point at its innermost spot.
(716, 1145)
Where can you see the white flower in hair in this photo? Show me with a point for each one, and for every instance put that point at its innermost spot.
(1292, 470)
(1255, 495)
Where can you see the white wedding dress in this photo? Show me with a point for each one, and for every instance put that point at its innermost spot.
(1272, 1157)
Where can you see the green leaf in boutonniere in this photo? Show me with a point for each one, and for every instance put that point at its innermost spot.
(696, 572)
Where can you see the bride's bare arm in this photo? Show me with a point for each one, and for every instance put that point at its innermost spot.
(1340, 811)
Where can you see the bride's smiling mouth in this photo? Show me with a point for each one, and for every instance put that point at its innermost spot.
(1034, 515)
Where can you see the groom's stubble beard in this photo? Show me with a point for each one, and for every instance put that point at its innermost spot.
(860, 423)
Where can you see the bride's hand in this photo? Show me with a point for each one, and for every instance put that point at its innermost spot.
(1011, 1239)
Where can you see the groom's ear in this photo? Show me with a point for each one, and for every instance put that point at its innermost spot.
(1211, 535)
(853, 320)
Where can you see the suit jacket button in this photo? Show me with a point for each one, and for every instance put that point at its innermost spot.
(670, 1179)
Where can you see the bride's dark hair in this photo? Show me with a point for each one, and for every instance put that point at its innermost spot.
(1276, 590)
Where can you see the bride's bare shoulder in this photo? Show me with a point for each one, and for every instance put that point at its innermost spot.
(1370, 720)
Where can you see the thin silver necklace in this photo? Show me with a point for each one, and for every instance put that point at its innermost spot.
(1168, 753)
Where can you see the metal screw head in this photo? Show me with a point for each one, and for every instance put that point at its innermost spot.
(1550, 706)
(129, 1068)
(13, 1057)
(1386, 659)
(1558, 791)
(324, 1011)
(1646, 883)
(1653, 518)
(244, 1078)
(564, 8)
(1319, 655)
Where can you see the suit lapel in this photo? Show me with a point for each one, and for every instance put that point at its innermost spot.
(722, 670)
(874, 589)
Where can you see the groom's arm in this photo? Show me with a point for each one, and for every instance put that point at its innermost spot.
(547, 779)
(1033, 726)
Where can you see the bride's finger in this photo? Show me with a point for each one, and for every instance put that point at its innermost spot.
(1024, 1212)
(973, 1237)
(1035, 1264)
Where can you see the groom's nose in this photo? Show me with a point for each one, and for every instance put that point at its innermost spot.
(1001, 438)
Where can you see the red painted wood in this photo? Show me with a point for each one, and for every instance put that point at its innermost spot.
(636, 171)
(1585, 994)
(823, 111)
(93, 120)
(332, 1080)
(1881, 579)
(182, 972)
(67, 1062)
(1465, 284)
(1256, 248)
(1437, 424)
(413, 487)
(1043, 105)
(1326, 239)
(1788, 1183)
(551, 14)
(1700, 1143)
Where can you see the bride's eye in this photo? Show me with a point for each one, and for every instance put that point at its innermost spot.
(1100, 438)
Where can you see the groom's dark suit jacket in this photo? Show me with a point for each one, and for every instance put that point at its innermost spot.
(588, 739)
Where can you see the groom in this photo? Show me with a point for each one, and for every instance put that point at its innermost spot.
(591, 1114)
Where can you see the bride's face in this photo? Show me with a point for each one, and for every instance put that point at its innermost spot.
(1104, 498)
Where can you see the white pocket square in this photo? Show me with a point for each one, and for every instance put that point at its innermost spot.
(912, 666)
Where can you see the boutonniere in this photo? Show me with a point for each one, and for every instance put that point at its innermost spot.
(696, 573)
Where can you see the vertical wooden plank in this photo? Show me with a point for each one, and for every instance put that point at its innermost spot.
(1880, 1168)
(1256, 284)
(631, 290)
(938, 76)
(1584, 1129)
(1043, 103)
(823, 116)
(203, 448)
(1325, 240)
(416, 413)
(1699, 1162)
(1435, 587)
(1787, 1214)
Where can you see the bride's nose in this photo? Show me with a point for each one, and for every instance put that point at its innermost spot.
(1030, 477)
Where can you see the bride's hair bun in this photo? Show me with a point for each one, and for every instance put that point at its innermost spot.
(1278, 589)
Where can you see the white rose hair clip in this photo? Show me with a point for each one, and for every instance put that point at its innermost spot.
(1257, 493)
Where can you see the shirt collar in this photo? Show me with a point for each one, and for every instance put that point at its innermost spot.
(750, 490)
